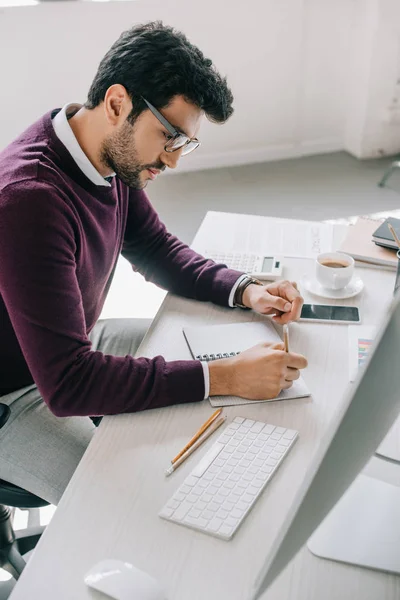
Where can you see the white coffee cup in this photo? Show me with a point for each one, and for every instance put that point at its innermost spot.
(334, 270)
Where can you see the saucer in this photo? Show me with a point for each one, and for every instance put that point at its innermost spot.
(353, 288)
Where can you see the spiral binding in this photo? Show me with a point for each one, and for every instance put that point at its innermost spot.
(208, 357)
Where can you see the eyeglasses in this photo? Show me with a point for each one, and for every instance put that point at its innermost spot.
(178, 140)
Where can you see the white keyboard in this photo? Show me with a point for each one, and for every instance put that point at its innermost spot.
(222, 488)
(235, 260)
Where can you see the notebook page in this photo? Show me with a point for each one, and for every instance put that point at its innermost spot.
(207, 342)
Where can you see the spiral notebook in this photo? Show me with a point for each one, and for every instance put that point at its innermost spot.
(222, 341)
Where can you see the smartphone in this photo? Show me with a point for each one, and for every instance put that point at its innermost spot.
(324, 313)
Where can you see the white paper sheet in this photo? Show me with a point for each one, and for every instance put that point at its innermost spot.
(264, 235)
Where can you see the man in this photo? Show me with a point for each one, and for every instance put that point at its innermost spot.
(72, 199)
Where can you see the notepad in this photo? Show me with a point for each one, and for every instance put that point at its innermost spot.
(213, 342)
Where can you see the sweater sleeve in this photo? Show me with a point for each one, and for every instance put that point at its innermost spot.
(169, 263)
(39, 286)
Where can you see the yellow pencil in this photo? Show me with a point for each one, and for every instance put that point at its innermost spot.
(394, 234)
(202, 439)
(286, 337)
(197, 434)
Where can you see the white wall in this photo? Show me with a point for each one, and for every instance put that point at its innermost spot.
(286, 62)
(372, 126)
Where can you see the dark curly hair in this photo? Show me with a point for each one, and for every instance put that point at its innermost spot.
(157, 62)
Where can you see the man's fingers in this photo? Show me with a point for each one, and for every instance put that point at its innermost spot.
(287, 384)
(296, 361)
(284, 289)
(292, 374)
(277, 303)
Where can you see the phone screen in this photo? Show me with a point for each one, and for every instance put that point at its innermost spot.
(330, 313)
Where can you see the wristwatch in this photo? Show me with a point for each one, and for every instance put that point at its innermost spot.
(238, 298)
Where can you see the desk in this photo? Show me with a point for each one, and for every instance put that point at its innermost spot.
(110, 508)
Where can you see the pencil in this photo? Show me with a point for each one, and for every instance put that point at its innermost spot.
(394, 234)
(286, 337)
(197, 434)
(198, 443)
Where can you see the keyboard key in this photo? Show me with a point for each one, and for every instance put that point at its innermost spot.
(257, 427)
(236, 513)
(223, 514)
(258, 483)
(279, 430)
(225, 530)
(248, 423)
(248, 498)
(228, 506)
(196, 522)
(232, 428)
(284, 442)
(289, 434)
(201, 505)
(242, 506)
(232, 522)
(207, 514)
(229, 485)
(266, 469)
(268, 429)
(275, 455)
(238, 420)
(190, 481)
(182, 511)
(206, 497)
(166, 512)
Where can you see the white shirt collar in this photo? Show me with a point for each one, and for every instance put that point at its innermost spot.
(66, 136)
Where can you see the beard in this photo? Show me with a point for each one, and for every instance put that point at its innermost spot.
(118, 152)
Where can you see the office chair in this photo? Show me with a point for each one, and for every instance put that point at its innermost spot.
(395, 165)
(13, 545)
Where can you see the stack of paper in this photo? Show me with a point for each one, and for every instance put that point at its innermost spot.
(358, 243)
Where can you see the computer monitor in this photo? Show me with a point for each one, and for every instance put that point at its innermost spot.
(368, 412)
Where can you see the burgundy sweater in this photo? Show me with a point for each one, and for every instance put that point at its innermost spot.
(60, 238)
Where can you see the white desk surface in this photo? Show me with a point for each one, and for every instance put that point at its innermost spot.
(110, 508)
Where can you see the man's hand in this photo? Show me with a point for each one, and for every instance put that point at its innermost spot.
(280, 298)
(257, 374)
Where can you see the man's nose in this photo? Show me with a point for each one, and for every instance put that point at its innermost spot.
(171, 159)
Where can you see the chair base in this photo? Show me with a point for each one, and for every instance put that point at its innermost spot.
(14, 545)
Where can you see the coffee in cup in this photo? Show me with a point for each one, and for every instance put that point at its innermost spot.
(334, 270)
(334, 264)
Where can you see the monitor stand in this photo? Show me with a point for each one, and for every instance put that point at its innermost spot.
(363, 528)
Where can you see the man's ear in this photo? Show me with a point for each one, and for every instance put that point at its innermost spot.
(117, 104)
